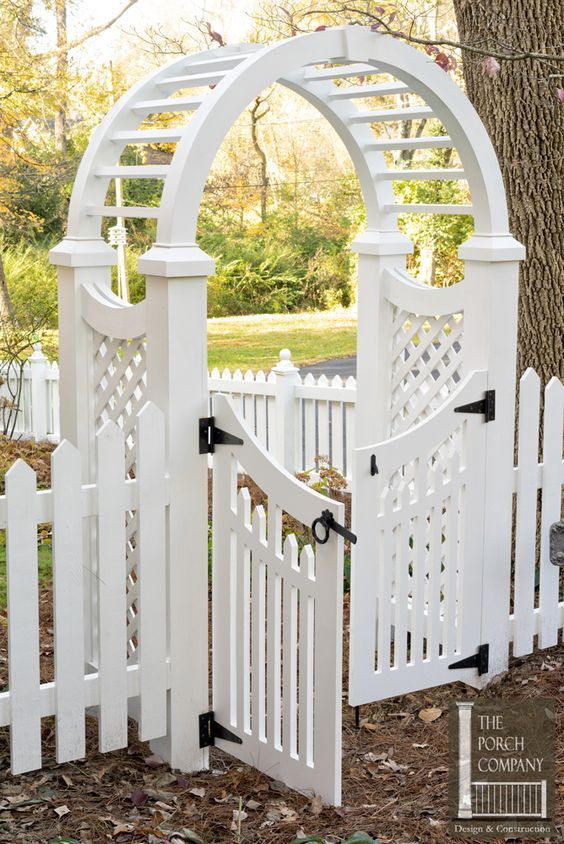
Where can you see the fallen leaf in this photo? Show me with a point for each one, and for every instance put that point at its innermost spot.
(121, 828)
(61, 811)
(394, 766)
(154, 761)
(419, 746)
(198, 792)
(367, 725)
(138, 797)
(431, 714)
(252, 805)
(278, 786)
(186, 835)
(316, 806)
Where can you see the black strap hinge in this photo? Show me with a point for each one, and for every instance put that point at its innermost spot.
(485, 406)
(210, 436)
(479, 660)
(210, 730)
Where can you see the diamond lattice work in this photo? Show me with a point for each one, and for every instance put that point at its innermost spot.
(119, 371)
(426, 365)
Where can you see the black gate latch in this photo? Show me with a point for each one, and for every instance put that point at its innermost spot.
(210, 436)
(485, 406)
(210, 730)
(479, 660)
(328, 523)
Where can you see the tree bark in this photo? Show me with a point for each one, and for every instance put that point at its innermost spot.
(6, 307)
(525, 122)
(256, 115)
(62, 67)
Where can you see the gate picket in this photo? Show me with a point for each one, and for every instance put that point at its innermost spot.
(68, 602)
(23, 620)
(112, 605)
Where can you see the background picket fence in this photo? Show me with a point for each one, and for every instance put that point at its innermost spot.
(65, 506)
(316, 414)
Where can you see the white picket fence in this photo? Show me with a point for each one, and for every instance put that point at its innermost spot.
(115, 681)
(317, 415)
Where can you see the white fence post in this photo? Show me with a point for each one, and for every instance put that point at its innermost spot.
(490, 339)
(177, 382)
(39, 366)
(286, 405)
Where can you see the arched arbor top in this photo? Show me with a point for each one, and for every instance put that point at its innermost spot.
(334, 70)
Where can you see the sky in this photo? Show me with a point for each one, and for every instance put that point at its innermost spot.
(232, 15)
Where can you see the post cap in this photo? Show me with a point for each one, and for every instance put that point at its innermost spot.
(83, 252)
(285, 365)
(184, 260)
(492, 248)
(372, 242)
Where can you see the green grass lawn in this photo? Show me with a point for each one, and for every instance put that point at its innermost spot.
(253, 342)
(44, 564)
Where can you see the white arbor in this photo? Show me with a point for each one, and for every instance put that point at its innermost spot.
(416, 348)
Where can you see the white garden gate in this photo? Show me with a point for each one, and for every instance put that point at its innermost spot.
(431, 567)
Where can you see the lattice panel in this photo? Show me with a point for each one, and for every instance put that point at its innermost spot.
(426, 365)
(120, 377)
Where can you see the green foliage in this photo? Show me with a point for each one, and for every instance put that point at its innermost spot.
(32, 283)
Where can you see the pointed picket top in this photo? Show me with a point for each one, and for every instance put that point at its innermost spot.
(19, 471)
(260, 377)
(271, 377)
(322, 381)
(226, 374)
(309, 379)
(291, 552)
(249, 375)
(259, 524)
(307, 562)
(529, 381)
(237, 375)
(216, 373)
(151, 415)
(244, 507)
(64, 453)
(336, 381)
(110, 430)
(350, 383)
(55, 368)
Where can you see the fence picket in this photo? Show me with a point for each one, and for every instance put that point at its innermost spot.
(151, 543)
(551, 509)
(68, 602)
(112, 605)
(23, 619)
(525, 529)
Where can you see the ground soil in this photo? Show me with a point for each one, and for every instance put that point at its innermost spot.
(395, 777)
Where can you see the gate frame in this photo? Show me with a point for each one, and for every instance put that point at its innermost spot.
(173, 317)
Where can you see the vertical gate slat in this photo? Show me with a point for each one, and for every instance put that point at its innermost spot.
(258, 631)
(402, 562)
(290, 651)
(309, 435)
(224, 487)
(551, 508)
(526, 520)
(385, 589)
(452, 526)
(112, 605)
(68, 602)
(151, 543)
(435, 557)
(419, 563)
(274, 626)
(23, 619)
(307, 567)
(243, 612)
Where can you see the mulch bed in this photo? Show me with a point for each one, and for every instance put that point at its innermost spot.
(395, 777)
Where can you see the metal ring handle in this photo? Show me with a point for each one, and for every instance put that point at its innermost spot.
(320, 520)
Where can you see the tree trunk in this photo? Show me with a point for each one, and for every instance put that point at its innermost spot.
(525, 121)
(62, 67)
(6, 307)
(256, 115)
